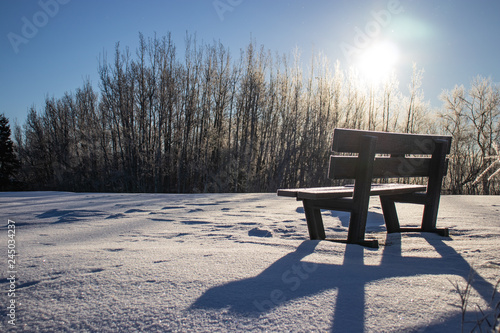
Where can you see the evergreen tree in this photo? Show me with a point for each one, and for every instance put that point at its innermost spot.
(8, 160)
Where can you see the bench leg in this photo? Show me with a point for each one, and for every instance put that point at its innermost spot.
(428, 220)
(357, 224)
(430, 214)
(314, 221)
(390, 214)
(437, 171)
(430, 217)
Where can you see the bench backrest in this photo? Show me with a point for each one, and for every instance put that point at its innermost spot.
(409, 155)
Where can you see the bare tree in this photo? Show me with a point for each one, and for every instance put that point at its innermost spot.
(473, 118)
(415, 99)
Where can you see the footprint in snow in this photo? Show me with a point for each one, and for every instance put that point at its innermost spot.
(256, 232)
(135, 210)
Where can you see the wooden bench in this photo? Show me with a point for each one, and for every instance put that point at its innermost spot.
(379, 155)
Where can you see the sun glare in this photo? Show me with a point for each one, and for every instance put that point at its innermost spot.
(378, 61)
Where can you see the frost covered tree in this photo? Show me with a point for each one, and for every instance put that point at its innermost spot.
(472, 117)
(416, 104)
(210, 122)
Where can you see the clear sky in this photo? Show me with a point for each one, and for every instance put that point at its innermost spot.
(48, 47)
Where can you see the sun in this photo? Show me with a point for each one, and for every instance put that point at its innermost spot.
(378, 61)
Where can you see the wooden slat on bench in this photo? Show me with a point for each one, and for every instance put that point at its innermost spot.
(347, 141)
(336, 191)
(317, 193)
(289, 192)
(344, 167)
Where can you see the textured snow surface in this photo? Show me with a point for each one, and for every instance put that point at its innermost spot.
(239, 262)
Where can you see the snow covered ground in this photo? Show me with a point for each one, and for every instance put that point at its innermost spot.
(238, 262)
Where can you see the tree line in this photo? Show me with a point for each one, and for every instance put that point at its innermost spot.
(210, 122)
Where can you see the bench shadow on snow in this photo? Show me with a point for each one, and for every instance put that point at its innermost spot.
(290, 279)
(374, 223)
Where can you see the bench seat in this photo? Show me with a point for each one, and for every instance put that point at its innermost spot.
(316, 193)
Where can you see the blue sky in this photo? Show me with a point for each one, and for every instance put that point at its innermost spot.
(453, 41)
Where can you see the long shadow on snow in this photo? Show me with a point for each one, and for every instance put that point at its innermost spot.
(290, 278)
